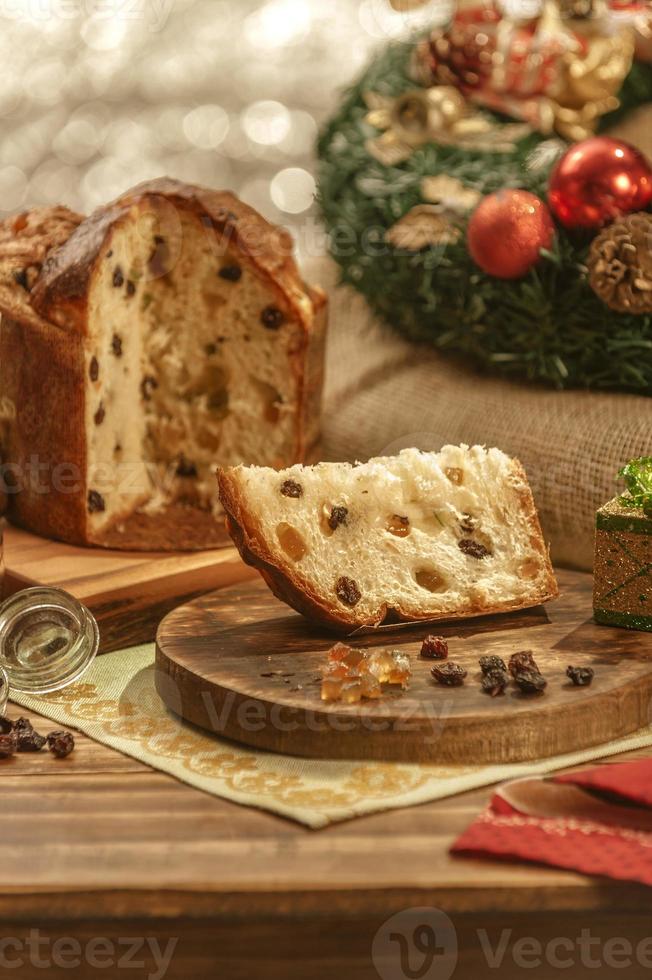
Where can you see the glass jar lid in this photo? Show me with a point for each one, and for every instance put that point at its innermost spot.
(47, 640)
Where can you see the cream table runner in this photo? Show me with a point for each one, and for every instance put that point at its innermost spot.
(116, 703)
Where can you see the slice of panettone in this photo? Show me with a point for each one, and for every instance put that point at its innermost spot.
(412, 537)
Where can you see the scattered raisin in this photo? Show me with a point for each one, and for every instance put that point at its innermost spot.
(580, 676)
(434, 648)
(118, 277)
(494, 682)
(473, 548)
(8, 745)
(21, 278)
(347, 591)
(60, 744)
(232, 273)
(116, 345)
(23, 725)
(27, 740)
(272, 318)
(530, 681)
(338, 516)
(468, 524)
(449, 674)
(100, 414)
(290, 488)
(131, 287)
(147, 386)
(398, 525)
(6, 726)
(455, 475)
(186, 469)
(487, 664)
(522, 660)
(159, 258)
(94, 369)
(95, 502)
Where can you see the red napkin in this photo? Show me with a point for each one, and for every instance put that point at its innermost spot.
(598, 822)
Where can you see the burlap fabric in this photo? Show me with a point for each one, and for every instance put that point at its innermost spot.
(383, 393)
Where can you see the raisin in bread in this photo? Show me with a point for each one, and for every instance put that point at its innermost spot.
(410, 537)
(138, 346)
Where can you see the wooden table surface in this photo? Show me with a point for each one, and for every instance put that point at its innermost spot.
(102, 846)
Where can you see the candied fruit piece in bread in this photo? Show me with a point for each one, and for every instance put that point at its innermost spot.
(139, 346)
(468, 543)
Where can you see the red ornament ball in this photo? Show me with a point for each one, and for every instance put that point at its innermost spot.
(598, 180)
(507, 231)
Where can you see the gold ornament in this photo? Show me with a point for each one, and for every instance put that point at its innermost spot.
(435, 223)
(449, 194)
(439, 114)
(559, 72)
(422, 227)
(620, 264)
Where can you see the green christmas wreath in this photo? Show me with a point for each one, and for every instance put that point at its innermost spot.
(549, 326)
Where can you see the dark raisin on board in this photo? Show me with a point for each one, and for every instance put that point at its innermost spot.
(95, 502)
(131, 287)
(530, 681)
(20, 277)
(29, 741)
(5, 725)
(147, 386)
(116, 345)
(347, 591)
(118, 277)
(23, 725)
(449, 674)
(522, 660)
(272, 318)
(100, 415)
(494, 682)
(338, 516)
(580, 676)
(232, 273)
(186, 468)
(60, 744)
(290, 488)
(488, 664)
(8, 744)
(473, 548)
(94, 369)
(434, 648)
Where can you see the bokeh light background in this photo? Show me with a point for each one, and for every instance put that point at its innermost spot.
(97, 95)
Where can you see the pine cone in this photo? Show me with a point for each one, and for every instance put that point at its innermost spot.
(461, 56)
(620, 264)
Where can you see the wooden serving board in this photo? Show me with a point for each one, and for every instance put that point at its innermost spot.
(128, 592)
(242, 664)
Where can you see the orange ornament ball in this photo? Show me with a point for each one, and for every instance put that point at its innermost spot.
(507, 231)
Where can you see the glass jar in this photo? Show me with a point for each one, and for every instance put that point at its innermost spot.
(47, 638)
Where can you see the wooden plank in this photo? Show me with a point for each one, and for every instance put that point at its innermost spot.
(239, 661)
(129, 592)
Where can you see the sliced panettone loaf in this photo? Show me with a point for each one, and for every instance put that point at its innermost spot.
(410, 537)
(167, 332)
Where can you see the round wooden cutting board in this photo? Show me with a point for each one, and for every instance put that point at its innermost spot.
(242, 664)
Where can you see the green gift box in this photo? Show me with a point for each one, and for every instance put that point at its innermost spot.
(622, 585)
